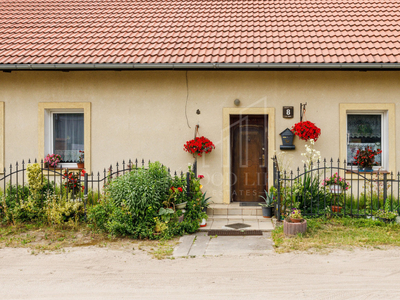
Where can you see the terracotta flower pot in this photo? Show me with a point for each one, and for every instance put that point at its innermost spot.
(81, 165)
(336, 209)
(296, 220)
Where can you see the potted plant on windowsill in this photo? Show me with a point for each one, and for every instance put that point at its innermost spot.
(81, 163)
(268, 205)
(51, 160)
(365, 159)
(336, 186)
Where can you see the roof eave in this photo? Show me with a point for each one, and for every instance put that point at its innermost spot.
(202, 66)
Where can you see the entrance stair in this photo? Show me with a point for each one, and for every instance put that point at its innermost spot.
(221, 216)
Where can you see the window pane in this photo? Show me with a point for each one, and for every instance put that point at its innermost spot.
(68, 136)
(363, 131)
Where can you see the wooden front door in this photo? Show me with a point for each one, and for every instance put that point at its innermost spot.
(249, 144)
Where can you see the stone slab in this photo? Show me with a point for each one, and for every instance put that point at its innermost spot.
(200, 245)
(184, 246)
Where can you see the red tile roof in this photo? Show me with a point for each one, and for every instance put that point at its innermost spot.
(199, 31)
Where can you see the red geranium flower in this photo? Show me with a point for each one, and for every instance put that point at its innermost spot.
(306, 131)
(199, 146)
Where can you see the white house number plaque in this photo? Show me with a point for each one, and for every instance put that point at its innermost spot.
(288, 112)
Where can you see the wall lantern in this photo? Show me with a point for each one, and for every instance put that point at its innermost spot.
(287, 140)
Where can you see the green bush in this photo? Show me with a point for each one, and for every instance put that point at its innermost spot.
(141, 188)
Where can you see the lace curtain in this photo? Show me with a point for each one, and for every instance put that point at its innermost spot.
(68, 135)
(363, 131)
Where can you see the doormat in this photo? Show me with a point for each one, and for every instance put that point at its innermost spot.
(237, 226)
(249, 204)
(234, 232)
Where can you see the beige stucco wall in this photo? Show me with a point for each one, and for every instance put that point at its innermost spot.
(141, 114)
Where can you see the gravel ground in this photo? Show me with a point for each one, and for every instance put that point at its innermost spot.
(103, 273)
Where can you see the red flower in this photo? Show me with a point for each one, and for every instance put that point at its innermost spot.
(180, 189)
(199, 146)
(306, 130)
(200, 176)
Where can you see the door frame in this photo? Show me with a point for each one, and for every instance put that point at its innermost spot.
(226, 151)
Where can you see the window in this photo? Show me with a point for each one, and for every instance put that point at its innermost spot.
(371, 125)
(66, 135)
(65, 129)
(365, 130)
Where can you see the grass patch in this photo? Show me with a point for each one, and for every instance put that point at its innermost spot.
(41, 239)
(325, 235)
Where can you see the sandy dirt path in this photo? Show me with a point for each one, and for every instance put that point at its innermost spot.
(101, 273)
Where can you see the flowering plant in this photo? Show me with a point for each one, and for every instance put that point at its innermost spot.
(366, 158)
(296, 214)
(199, 145)
(81, 156)
(176, 196)
(52, 160)
(306, 130)
(73, 181)
(385, 214)
(336, 179)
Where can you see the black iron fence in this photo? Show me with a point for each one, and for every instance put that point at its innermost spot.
(332, 187)
(70, 184)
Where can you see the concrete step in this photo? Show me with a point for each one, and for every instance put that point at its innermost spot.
(233, 209)
(253, 224)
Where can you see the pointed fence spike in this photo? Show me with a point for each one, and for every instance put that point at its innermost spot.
(29, 160)
(35, 161)
(175, 173)
(338, 160)
(324, 160)
(169, 171)
(331, 159)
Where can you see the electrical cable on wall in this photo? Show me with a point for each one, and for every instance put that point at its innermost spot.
(187, 97)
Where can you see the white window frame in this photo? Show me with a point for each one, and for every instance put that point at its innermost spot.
(384, 135)
(49, 134)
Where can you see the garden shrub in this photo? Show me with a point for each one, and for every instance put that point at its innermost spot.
(141, 188)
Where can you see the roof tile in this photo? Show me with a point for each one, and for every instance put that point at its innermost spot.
(190, 31)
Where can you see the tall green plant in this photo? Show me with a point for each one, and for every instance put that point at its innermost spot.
(141, 188)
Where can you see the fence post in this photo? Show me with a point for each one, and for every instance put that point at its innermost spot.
(278, 195)
(195, 167)
(187, 184)
(384, 188)
(85, 192)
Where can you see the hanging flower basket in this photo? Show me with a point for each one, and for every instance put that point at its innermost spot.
(306, 131)
(198, 146)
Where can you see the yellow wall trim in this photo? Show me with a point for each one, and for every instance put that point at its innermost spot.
(389, 107)
(86, 106)
(226, 153)
(2, 137)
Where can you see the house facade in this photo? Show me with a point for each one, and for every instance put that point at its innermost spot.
(137, 85)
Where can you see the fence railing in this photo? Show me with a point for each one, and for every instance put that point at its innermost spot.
(73, 185)
(313, 190)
